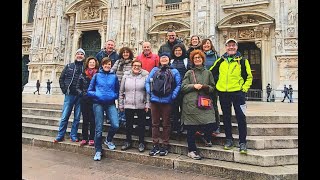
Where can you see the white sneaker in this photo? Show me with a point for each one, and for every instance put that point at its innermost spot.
(194, 155)
(97, 156)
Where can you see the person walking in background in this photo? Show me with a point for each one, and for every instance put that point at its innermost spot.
(197, 81)
(104, 90)
(108, 51)
(290, 93)
(48, 86)
(286, 93)
(180, 62)
(269, 89)
(91, 67)
(163, 85)
(38, 87)
(233, 76)
(133, 99)
(194, 44)
(68, 82)
(211, 56)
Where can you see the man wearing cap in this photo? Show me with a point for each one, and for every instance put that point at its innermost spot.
(172, 40)
(232, 85)
(68, 81)
(108, 51)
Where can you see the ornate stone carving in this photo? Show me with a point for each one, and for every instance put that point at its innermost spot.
(245, 20)
(246, 34)
(26, 41)
(201, 27)
(225, 34)
(291, 43)
(291, 31)
(233, 35)
(291, 16)
(266, 32)
(288, 67)
(90, 12)
(258, 44)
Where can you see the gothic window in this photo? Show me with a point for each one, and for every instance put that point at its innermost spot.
(173, 1)
(32, 5)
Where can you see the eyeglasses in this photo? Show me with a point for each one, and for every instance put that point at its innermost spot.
(171, 35)
(234, 45)
(197, 57)
(136, 65)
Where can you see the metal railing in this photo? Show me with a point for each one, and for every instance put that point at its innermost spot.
(275, 95)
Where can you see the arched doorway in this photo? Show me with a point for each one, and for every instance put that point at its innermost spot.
(91, 42)
(250, 51)
(25, 71)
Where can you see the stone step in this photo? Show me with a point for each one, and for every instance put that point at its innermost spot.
(223, 169)
(270, 157)
(47, 110)
(253, 142)
(252, 129)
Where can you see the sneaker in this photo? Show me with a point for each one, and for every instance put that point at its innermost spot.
(126, 146)
(83, 142)
(228, 144)
(216, 132)
(91, 142)
(155, 150)
(141, 147)
(74, 139)
(208, 144)
(110, 145)
(97, 156)
(199, 133)
(194, 155)
(58, 140)
(164, 151)
(243, 148)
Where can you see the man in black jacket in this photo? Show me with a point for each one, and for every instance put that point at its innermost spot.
(68, 81)
(172, 40)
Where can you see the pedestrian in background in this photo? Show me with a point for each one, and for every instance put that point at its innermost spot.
(38, 87)
(286, 93)
(48, 86)
(269, 89)
(290, 93)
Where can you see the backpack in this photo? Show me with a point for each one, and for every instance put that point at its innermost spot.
(162, 83)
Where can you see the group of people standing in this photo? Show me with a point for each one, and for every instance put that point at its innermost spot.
(165, 86)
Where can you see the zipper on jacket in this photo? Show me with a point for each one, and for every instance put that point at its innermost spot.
(227, 77)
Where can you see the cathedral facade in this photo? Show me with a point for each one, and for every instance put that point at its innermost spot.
(266, 30)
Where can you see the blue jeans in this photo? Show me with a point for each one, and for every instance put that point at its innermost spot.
(111, 111)
(69, 102)
(237, 99)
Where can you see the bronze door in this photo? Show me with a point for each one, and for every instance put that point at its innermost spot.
(91, 43)
(251, 52)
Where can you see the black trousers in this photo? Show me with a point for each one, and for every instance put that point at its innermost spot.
(88, 120)
(130, 121)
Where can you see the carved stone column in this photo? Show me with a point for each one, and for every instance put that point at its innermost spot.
(102, 32)
(76, 36)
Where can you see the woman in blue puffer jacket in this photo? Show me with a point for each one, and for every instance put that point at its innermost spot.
(104, 90)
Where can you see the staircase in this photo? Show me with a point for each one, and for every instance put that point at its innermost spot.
(272, 143)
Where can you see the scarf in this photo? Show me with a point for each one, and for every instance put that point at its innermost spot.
(90, 72)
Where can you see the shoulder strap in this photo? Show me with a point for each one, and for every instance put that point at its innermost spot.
(244, 73)
(194, 77)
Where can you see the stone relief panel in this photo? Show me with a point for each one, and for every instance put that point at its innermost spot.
(288, 68)
(246, 34)
(90, 12)
(291, 43)
(244, 20)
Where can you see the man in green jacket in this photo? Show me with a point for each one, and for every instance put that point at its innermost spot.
(232, 83)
